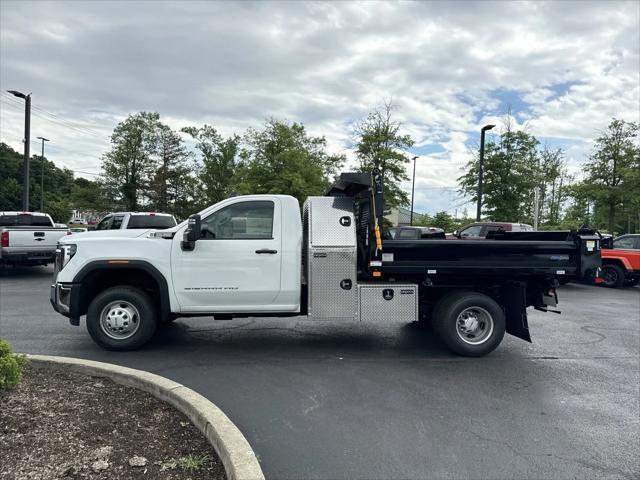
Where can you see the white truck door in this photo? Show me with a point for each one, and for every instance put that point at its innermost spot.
(236, 264)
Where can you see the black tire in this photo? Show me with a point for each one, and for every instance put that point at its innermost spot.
(564, 280)
(445, 318)
(612, 275)
(632, 282)
(129, 296)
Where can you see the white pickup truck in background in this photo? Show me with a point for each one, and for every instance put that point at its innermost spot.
(28, 238)
(136, 220)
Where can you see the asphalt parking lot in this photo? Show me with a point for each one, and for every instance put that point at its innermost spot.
(386, 401)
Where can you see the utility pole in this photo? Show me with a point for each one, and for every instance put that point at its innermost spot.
(481, 170)
(413, 186)
(42, 174)
(27, 142)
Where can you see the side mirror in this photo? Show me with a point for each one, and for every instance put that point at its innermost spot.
(456, 233)
(192, 233)
(606, 242)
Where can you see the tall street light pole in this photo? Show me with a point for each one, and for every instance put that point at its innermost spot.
(27, 142)
(42, 174)
(481, 169)
(413, 185)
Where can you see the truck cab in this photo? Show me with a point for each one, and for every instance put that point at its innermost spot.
(247, 258)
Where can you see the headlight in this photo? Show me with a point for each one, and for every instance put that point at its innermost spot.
(64, 253)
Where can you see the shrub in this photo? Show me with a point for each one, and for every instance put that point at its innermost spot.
(10, 366)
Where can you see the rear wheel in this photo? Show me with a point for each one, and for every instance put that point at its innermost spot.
(121, 318)
(632, 282)
(469, 323)
(612, 275)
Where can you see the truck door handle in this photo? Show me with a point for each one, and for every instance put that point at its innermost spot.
(266, 250)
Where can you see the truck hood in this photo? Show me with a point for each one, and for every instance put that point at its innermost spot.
(105, 234)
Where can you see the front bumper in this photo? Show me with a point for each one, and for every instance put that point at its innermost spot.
(29, 257)
(632, 274)
(64, 298)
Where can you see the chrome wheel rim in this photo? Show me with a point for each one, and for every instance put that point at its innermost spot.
(474, 325)
(119, 320)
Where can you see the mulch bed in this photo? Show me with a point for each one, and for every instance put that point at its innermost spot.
(64, 425)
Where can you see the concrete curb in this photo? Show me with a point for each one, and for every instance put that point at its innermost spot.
(239, 460)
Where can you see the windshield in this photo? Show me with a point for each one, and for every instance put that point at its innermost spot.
(25, 221)
(151, 221)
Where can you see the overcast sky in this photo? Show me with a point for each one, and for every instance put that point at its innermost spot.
(450, 67)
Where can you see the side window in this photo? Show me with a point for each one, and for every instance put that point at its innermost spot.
(624, 242)
(407, 233)
(117, 222)
(105, 223)
(242, 220)
(488, 228)
(472, 231)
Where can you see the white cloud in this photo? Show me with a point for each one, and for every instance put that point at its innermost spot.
(324, 64)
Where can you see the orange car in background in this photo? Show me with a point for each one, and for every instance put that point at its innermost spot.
(621, 264)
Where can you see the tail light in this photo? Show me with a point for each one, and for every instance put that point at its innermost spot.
(4, 239)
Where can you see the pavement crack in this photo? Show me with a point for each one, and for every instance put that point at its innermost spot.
(315, 405)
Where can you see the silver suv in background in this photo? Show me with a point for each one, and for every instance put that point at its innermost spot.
(136, 220)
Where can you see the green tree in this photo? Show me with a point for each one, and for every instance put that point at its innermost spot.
(217, 164)
(445, 221)
(58, 185)
(379, 142)
(510, 176)
(171, 185)
(612, 180)
(552, 180)
(283, 158)
(88, 195)
(131, 163)
(59, 209)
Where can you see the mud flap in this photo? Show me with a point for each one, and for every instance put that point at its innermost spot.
(514, 297)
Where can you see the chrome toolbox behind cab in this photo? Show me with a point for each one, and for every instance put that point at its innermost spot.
(329, 258)
(387, 302)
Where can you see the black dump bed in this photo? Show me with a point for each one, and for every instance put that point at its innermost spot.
(511, 254)
(501, 257)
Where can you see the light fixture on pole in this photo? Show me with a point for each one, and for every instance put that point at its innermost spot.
(413, 185)
(27, 141)
(42, 174)
(481, 169)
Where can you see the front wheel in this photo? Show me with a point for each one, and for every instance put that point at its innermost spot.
(612, 275)
(469, 323)
(121, 318)
(632, 282)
